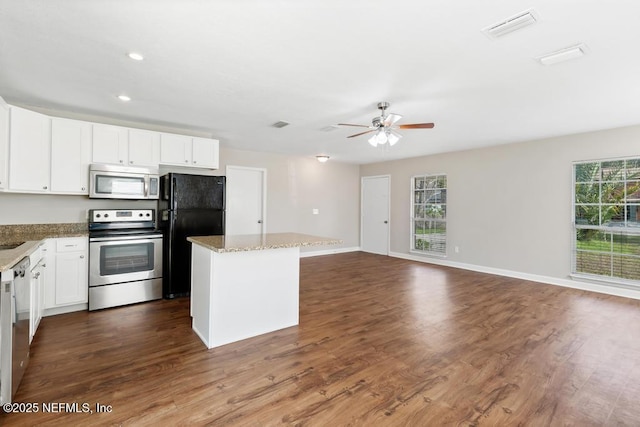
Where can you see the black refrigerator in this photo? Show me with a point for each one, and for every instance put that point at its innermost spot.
(189, 205)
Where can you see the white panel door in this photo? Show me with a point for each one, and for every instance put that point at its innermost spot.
(375, 214)
(246, 200)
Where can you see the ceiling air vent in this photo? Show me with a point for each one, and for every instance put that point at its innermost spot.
(280, 124)
(514, 23)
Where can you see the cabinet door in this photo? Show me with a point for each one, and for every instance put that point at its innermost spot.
(29, 145)
(175, 149)
(110, 144)
(37, 299)
(144, 148)
(71, 278)
(70, 156)
(4, 145)
(205, 153)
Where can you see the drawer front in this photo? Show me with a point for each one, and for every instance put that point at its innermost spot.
(71, 244)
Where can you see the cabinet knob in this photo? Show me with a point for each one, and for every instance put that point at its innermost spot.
(81, 256)
(186, 161)
(44, 187)
(84, 188)
(35, 276)
(194, 162)
(130, 162)
(121, 161)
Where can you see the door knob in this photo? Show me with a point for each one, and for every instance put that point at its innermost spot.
(386, 222)
(259, 221)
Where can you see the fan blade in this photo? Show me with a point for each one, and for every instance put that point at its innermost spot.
(362, 133)
(349, 124)
(417, 126)
(391, 119)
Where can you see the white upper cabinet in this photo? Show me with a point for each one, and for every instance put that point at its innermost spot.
(110, 144)
(205, 153)
(4, 145)
(70, 156)
(188, 151)
(144, 148)
(124, 146)
(29, 146)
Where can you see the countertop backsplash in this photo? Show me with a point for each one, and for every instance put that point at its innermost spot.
(24, 232)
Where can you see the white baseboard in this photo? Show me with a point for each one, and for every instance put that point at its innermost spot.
(329, 252)
(609, 289)
(65, 309)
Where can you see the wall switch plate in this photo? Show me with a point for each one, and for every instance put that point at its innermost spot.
(316, 211)
(456, 249)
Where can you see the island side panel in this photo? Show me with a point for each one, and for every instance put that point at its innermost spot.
(201, 263)
(253, 292)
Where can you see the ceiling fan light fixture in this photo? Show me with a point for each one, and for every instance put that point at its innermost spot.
(393, 137)
(373, 140)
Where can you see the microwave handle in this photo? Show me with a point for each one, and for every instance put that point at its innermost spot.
(146, 186)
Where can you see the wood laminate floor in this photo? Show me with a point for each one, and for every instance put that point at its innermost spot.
(381, 341)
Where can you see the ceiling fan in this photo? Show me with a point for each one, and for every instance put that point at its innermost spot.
(384, 127)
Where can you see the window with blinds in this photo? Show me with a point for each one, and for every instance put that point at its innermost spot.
(606, 206)
(429, 214)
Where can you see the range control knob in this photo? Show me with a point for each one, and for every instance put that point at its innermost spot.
(140, 214)
(98, 215)
(106, 215)
(148, 214)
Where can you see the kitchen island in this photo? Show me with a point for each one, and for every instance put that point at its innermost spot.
(246, 285)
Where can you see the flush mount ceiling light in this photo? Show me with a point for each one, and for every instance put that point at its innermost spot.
(511, 24)
(135, 56)
(562, 55)
(124, 98)
(322, 158)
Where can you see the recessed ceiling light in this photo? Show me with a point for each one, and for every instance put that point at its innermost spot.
(322, 158)
(562, 55)
(124, 98)
(136, 56)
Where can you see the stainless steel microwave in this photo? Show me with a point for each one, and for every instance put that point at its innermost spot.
(123, 182)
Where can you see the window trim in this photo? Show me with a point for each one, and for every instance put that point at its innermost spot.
(630, 231)
(412, 217)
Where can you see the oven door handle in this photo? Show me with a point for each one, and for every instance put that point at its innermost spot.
(137, 239)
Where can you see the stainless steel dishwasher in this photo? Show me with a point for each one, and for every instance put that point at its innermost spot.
(15, 300)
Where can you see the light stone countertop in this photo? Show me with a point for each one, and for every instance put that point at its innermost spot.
(257, 242)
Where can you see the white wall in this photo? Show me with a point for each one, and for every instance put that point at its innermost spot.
(297, 185)
(509, 206)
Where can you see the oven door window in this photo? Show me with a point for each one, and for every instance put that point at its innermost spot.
(126, 258)
(130, 186)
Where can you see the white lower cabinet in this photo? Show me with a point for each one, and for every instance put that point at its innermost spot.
(38, 274)
(67, 281)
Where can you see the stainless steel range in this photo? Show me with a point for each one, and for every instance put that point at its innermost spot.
(125, 257)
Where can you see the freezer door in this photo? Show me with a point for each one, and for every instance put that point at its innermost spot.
(197, 192)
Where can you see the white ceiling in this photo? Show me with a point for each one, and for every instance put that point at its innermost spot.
(231, 68)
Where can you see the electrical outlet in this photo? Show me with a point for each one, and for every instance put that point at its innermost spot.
(456, 249)
(316, 211)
